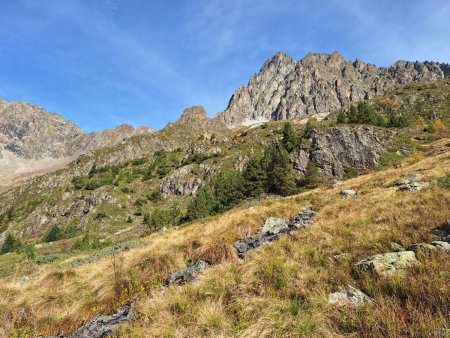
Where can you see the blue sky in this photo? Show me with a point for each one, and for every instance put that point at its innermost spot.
(100, 63)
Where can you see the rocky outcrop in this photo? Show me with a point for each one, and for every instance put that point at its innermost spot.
(319, 83)
(186, 180)
(273, 229)
(334, 149)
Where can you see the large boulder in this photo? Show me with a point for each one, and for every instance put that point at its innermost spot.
(388, 263)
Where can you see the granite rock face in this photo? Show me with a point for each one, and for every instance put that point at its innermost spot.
(318, 83)
(334, 149)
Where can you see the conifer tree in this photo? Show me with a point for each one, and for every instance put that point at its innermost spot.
(9, 244)
(255, 178)
(280, 178)
(290, 139)
(202, 205)
(312, 176)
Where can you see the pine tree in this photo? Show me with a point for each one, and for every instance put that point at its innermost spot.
(290, 139)
(255, 178)
(312, 176)
(202, 205)
(280, 178)
(227, 187)
(9, 244)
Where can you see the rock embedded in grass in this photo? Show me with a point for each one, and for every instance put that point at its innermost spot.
(102, 326)
(389, 263)
(188, 274)
(273, 229)
(444, 246)
(348, 193)
(412, 183)
(349, 296)
(423, 248)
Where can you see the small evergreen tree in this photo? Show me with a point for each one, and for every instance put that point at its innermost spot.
(280, 178)
(53, 234)
(312, 176)
(202, 205)
(290, 139)
(255, 178)
(227, 187)
(9, 244)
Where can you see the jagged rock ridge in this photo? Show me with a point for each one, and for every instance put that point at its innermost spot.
(318, 83)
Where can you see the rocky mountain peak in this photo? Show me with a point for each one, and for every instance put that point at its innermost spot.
(278, 63)
(195, 113)
(318, 83)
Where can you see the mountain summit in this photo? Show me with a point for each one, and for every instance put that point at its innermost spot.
(318, 83)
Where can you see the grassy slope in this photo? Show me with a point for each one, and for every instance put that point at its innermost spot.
(281, 289)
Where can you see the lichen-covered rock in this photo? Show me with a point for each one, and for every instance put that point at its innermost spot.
(423, 248)
(349, 296)
(388, 263)
(188, 274)
(274, 226)
(441, 245)
(413, 177)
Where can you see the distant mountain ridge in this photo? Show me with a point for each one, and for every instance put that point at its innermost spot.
(318, 83)
(30, 132)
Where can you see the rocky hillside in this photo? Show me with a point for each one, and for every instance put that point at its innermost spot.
(318, 84)
(33, 140)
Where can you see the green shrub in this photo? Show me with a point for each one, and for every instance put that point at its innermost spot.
(58, 232)
(53, 234)
(350, 172)
(163, 217)
(154, 195)
(444, 182)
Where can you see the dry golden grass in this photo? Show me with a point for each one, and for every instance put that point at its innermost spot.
(278, 291)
